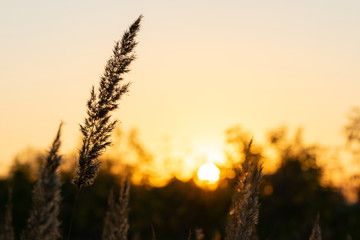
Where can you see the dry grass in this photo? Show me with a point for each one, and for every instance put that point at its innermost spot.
(116, 223)
(316, 232)
(244, 212)
(98, 125)
(43, 222)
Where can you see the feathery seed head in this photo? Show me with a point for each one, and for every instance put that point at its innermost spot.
(316, 232)
(116, 224)
(243, 215)
(97, 127)
(43, 222)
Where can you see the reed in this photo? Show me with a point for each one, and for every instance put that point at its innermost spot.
(244, 211)
(98, 126)
(116, 224)
(316, 232)
(43, 222)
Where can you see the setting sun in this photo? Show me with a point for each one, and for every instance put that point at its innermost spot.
(209, 172)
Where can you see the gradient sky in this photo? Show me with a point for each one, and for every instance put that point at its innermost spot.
(202, 66)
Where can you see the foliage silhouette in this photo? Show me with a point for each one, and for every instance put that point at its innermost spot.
(290, 199)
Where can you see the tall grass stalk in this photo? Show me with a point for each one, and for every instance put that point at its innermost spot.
(316, 232)
(116, 223)
(7, 230)
(98, 126)
(43, 222)
(243, 215)
(153, 232)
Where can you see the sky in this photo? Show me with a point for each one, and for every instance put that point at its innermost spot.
(202, 67)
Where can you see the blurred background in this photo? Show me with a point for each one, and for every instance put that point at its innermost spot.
(209, 76)
(169, 203)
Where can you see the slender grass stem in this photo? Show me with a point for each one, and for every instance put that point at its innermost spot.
(72, 214)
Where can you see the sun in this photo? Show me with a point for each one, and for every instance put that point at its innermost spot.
(208, 172)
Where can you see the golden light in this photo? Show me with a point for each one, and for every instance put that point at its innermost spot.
(208, 172)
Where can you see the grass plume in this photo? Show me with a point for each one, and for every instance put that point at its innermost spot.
(316, 232)
(43, 222)
(243, 215)
(7, 230)
(98, 126)
(116, 223)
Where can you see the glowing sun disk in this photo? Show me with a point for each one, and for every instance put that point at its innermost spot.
(209, 172)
